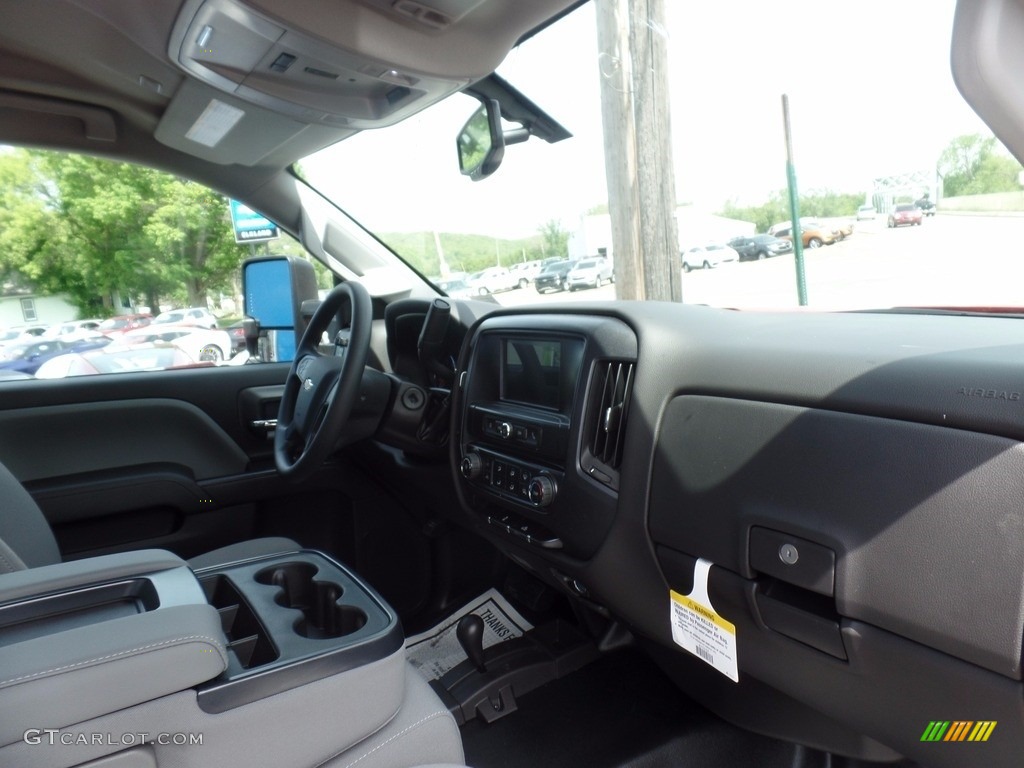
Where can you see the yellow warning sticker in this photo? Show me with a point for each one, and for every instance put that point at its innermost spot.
(697, 627)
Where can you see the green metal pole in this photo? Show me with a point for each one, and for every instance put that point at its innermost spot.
(794, 206)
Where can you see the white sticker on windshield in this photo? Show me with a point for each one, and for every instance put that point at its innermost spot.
(697, 627)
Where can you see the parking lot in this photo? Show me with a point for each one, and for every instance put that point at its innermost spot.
(948, 261)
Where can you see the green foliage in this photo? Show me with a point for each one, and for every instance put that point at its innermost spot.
(463, 253)
(90, 229)
(973, 164)
(555, 237)
(819, 204)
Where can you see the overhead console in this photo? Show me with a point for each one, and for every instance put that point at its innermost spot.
(541, 408)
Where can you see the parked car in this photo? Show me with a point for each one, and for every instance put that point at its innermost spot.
(708, 256)
(28, 356)
(236, 332)
(841, 228)
(525, 272)
(71, 329)
(492, 280)
(926, 205)
(455, 281)
(198, 316)
(866, 213)
(202, 344)
(905, 214)
(143, 357)
(553, 278)
(589, 273)
(124, 323)
(757, 247)
(812, 237)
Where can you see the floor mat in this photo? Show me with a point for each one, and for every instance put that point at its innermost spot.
(434, 652)
(619, 711)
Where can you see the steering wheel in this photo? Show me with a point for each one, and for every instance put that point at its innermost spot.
(322, 389)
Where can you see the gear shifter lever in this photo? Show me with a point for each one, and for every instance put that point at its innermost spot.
(470, 634)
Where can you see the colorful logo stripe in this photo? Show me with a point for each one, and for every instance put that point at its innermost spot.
(958, 730)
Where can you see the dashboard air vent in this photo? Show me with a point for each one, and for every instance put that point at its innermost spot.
(606, 428)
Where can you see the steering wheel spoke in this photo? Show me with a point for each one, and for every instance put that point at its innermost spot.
(321, 390)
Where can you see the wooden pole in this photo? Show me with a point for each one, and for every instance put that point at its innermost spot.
(633, 60)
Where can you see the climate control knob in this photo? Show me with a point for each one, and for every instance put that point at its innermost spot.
(541, 491)
(471, 466)
(504, 430)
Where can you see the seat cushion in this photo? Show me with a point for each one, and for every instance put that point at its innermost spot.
(244, 550)
(423, 733)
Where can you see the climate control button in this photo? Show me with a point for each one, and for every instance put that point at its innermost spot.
(541, 491)
(471, 466)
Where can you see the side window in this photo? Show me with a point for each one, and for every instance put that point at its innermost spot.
(95, 254)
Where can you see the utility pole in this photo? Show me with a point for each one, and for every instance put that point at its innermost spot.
(794, 205)
(633, 62)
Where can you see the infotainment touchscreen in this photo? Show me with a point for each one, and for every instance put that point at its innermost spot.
(540, 371)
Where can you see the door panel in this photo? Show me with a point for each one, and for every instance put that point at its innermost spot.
(164, 458)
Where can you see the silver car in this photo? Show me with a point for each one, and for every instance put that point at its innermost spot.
(590, 273)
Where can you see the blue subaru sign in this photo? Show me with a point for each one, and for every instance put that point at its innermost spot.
(249, 226)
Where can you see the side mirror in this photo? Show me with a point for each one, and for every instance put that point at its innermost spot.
(481, 142)
(275, 288)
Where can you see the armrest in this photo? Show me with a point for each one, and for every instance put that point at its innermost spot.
(68, 677)
(34, 582)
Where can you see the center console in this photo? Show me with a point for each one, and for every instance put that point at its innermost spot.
(140, 637)
(540, 415)
(289, 620)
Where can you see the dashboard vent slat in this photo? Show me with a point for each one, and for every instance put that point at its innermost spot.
(613, 406)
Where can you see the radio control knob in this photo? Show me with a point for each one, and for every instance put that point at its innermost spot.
(471, 466)
(504, 430)
(541, 491)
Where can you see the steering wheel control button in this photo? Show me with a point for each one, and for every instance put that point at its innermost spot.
(793, 560)
(789, 554)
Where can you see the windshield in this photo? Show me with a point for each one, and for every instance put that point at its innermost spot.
(853, 172)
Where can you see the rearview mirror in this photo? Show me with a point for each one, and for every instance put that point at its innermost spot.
(481, 143)
(275, 288)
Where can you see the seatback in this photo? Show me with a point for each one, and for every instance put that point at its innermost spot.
(26, 540)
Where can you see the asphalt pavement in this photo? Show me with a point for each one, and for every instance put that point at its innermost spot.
(954, 261)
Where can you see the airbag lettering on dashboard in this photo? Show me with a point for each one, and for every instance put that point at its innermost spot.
(697, 627)
(990, 394)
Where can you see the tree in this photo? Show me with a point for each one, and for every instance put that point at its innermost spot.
(973, 164)
(819, 204)
(91, 229)
(555, 237)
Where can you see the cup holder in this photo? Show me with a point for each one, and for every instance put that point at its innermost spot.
(322, 616)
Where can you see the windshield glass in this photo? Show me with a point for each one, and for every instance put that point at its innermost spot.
(862, 153)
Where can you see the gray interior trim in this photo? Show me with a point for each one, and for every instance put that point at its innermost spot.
(95, 570)
(177, 432)
(119, 663)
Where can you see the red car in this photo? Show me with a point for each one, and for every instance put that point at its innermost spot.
(905, 214)
(123, 323)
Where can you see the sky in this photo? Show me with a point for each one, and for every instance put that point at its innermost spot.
(870, 94)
